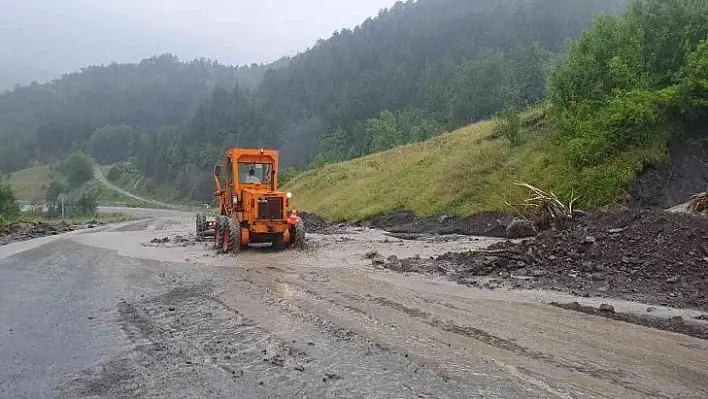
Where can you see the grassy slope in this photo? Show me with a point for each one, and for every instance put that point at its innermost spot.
(463, 172)
(30, 184)
(141, 186)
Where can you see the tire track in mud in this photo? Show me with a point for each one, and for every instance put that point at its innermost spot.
(187, 332)
(540, 388)
(675, 324)
(481, 380)
(189, 342)
(613, 375)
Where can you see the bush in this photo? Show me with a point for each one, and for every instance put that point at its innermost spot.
(114, 174)
(509, 124)
(319, 161)
(8, 205)
(287, 175)
(86, 205)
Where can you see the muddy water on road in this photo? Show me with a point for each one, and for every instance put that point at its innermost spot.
(324, 322)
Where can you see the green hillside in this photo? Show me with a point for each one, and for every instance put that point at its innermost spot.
(467, 171)
(627, 89)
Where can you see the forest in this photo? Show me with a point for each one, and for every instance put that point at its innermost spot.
(414, 71)
(41, 123)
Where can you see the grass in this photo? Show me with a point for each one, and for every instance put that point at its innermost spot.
(30, 184)
(465, 172)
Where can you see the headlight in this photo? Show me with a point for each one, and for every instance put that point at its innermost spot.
(289, 195)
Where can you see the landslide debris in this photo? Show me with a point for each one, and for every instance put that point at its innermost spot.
(22, 231)
(652, 256)
(171, 242)
(489, 224)
(318, 225)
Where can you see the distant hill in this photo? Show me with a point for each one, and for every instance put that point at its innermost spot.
(14, 73)
(41, 122)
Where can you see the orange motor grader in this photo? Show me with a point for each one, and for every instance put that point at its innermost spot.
(251, 209)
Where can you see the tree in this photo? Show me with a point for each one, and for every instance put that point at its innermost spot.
(383, 132)
(623, 85)
(287, 175)
(78, 168)
(53, 190)
(112, 143)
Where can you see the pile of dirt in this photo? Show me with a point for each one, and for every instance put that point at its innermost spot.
(653, 256)
(318, 225)
(489, 224)
(22, 231)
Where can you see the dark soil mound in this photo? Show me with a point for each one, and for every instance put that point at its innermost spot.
(664, 186)
(652, 256)
(318, 225)
(313, 222)
(490, 224)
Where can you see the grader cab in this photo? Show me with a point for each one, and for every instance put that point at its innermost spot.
(251, 209)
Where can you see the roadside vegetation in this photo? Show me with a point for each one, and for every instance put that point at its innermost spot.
(628, 87)
(79, 211)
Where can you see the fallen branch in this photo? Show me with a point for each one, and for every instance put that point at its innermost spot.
(548, 208)
(698, 203)
(700, 160)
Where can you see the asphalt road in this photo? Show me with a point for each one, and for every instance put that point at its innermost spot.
(108, 313)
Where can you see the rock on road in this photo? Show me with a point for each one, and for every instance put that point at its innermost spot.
(105, 313)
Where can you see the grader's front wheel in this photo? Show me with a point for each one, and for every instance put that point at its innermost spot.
(232, 237)
(297, 235)
(222, 224)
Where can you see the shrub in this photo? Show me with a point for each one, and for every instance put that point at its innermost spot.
(287, 175)
(86, 205)
(8, 204)
(508, 124)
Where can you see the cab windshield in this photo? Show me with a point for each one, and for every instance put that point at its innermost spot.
(255, 173)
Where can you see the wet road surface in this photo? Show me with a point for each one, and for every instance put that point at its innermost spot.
(106, 313)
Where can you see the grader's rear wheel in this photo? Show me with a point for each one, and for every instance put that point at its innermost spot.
(200, 226)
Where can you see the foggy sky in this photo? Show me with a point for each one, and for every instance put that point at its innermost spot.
(58, 36)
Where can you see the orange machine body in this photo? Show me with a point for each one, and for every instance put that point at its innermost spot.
(248, 193)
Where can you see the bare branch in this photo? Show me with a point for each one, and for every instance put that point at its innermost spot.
(700, 160)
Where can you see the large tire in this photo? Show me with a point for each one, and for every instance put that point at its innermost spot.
(297, 234)
(222, 223)
(200, 226)
(232, 244)
(279, 243)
